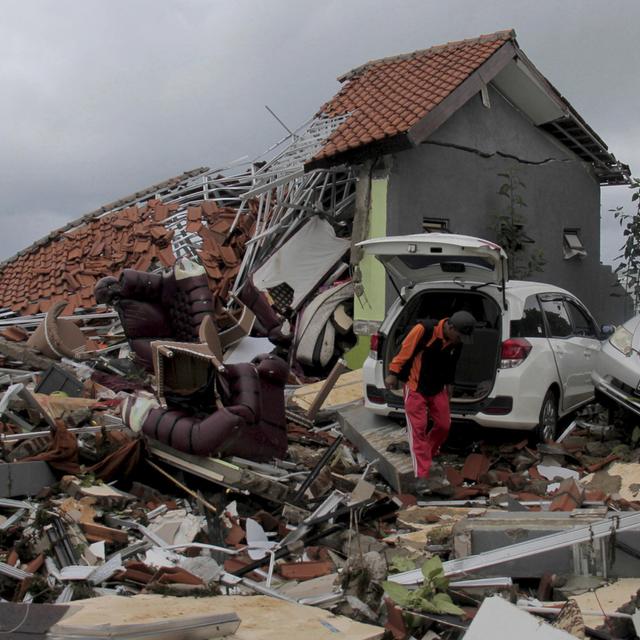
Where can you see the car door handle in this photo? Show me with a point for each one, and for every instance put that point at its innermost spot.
(587, 353)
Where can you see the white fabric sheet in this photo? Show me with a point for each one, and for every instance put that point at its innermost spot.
(303, 261)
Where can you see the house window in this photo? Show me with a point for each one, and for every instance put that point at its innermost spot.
(572, 244)
(435, 225)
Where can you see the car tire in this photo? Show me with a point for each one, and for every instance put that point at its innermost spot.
(548, 422)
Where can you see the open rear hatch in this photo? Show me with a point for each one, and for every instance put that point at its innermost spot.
(440, 257)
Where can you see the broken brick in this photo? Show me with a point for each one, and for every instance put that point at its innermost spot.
(454, 476)
(596, 466)
(395, 621)
(305, 570)
(568, 497)
(475, 466)
(15, 334)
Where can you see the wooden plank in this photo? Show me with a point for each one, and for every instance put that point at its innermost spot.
(347, 389)
(221, 472)
(97, 532)
(372, 434)
(262, 617)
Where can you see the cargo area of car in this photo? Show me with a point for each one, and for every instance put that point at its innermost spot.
(479, 360)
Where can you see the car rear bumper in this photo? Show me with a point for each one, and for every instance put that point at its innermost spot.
(494, 412)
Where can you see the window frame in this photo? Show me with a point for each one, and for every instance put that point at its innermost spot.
(527, 305)
(555, 297)
(594, 327)
(572, 249)
(440, 225)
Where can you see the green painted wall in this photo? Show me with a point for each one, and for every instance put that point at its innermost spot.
(371, 306)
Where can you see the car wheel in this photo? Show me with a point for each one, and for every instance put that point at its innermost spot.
(548, 422)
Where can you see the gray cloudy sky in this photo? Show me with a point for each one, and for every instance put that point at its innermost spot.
(101, 98)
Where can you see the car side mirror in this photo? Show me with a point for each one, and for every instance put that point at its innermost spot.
(606, 330)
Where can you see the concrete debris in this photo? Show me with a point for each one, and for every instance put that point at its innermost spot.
(318, 532)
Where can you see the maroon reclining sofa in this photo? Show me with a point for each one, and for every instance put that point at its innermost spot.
(250, 422)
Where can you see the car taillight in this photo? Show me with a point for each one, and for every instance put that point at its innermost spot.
(514, 351)
(374, 343)
(375, 395)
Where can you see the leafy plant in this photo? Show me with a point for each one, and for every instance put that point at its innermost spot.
(509, 229)
(431, 597)
(402, 563)
(628, 269)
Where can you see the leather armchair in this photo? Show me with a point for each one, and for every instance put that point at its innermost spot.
(156, 306)
(250, 423)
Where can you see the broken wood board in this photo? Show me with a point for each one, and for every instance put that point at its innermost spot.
(221, 472)
(58, 406)
(431, 525)
(103, 494)
(144, 619)
(347, 390)
(607, 599)
(262, 617)
(372, 434)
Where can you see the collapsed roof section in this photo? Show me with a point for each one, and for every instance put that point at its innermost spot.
(230, 219)
(398, 102)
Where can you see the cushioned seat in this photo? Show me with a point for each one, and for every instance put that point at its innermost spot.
(154, 306)
(250, 423)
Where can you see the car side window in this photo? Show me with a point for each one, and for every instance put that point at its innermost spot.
(531, 325)
(582, 323)
(557, 317)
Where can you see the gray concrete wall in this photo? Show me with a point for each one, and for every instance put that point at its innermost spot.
(454, 175)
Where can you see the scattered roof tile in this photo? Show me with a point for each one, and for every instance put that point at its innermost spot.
(475, 466)
(67, 265)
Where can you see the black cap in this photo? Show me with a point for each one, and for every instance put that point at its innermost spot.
(464, 323)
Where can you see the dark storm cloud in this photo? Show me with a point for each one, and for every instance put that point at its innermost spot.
(101, 99)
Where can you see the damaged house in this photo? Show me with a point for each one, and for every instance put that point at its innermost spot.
(161, 437)
(418, 142)
(434, 135)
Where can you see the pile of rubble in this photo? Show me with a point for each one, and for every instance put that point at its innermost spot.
(328, 533)
(186, 453)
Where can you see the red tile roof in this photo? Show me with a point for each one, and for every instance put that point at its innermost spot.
(66, 264)
(387, 97)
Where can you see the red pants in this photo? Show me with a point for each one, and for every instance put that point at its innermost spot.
(425, 444)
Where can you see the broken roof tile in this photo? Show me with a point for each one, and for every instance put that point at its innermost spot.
(475, 466)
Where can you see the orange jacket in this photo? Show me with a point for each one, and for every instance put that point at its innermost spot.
(410, 344)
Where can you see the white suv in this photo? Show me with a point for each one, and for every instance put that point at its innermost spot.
(531, 358)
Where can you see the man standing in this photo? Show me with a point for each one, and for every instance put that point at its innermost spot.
(426, 364)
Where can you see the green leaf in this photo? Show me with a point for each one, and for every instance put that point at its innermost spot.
(399, 594)
(427, 605)
(444, 604)
(432, 567)
(400, 563)
(441, 583)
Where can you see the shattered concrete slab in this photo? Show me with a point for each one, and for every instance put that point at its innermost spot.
(372, 435)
